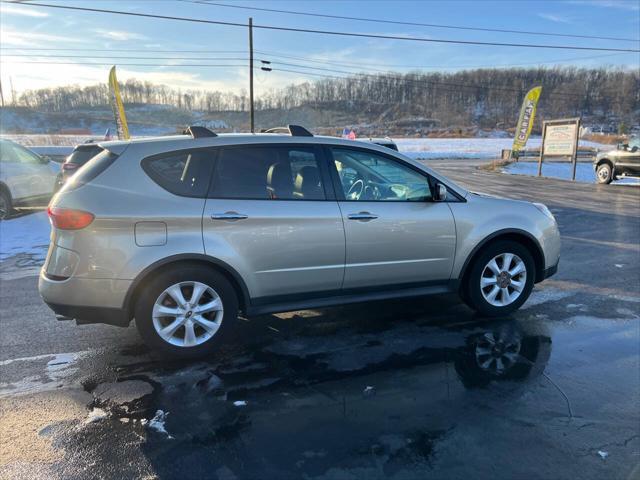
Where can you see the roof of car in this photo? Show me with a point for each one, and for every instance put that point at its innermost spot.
(235, 138)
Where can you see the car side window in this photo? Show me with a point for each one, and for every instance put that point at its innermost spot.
(6, 152)
(268, 173)
(186, 173)
(367, 176)
(25, 156)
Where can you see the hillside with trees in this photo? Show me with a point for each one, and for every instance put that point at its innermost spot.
(412, 102)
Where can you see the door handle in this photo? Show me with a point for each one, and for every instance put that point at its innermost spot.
(229, 216)
(362, 216)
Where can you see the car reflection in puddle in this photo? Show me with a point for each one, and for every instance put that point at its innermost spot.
(303, 406)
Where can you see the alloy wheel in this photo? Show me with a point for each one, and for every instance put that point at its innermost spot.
(187, 314)
(503, 279)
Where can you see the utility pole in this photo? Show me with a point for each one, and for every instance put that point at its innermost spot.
(251, 74)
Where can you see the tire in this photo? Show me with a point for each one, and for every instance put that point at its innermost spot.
(518, 284)
(195, 335)
(604, 173)
(6, 207)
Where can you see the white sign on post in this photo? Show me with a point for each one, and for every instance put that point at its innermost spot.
(560, 139)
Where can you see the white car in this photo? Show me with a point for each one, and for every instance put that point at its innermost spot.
(25, 178)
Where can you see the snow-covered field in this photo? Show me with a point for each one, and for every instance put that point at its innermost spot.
(466, 148)
(27, 234)
(584, 171)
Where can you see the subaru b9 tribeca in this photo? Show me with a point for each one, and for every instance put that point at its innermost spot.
(182, 233)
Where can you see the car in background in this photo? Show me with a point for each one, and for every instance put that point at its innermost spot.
(383, 142)
(26, 178)
(624, 161)
(81, 154)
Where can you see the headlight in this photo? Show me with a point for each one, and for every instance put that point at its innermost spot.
(543, 208)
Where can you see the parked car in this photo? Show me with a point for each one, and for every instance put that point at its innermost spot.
(181, 233)
(25, 178)
(80, 155)
(624, 161)
(384, 142)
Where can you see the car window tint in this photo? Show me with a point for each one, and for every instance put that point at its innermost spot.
(185, 173)
(367, 176)
(268, 173)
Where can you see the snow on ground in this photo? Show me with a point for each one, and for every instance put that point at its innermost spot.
(476, 148)
(584, 171)
(28, 234)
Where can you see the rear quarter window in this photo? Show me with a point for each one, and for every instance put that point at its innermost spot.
(186, 173)
(90, 170)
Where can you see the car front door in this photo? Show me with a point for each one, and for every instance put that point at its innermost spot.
(395, 233)
(37, 178)
(272, 215)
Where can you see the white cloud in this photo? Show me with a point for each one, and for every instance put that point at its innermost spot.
(119, 35)
(554, 18)
(31, 39)
(24, 12)
(631, 5)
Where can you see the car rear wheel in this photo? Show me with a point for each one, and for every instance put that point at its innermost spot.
(501, 279)
(5, 204)
(187, 312)
(604, 173)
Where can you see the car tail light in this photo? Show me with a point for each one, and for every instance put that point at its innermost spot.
(68, 167)
(68, 219)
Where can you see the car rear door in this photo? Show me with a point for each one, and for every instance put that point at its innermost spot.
(272, 215)
(395, 233)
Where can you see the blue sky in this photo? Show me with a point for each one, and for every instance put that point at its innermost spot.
(33, 27)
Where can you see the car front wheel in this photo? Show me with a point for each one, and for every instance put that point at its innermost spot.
(604, 173)
(501, 279)
(187, 312)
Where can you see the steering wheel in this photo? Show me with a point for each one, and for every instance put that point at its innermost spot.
(358, 186)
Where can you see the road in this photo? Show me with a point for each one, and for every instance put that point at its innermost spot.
(383, 390)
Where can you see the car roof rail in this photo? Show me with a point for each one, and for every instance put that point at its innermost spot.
(199, 132)
(293, 130)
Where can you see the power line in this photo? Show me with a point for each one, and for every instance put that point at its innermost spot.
(131, 50)
(120, 57)
(321, 60)
(413, 24)
(348, 64)
(123, 64)
(330, 32)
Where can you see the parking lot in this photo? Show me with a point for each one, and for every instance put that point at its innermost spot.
(397, 389)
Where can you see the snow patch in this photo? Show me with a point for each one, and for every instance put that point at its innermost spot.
(28, 235)
(157, 423)
(95, 415)
(584, 171)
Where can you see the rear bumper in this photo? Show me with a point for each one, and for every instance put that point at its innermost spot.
(86, 300)
(85, 315)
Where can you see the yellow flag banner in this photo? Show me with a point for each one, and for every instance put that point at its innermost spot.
(117, 106)
(525, 122)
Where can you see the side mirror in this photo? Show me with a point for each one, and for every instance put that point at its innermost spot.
(45, 159)
(441, 193)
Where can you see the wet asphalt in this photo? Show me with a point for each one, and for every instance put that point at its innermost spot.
(403, 389)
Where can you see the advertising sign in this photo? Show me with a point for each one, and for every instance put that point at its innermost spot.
(117, 106)
(525, 121)
(560, 139)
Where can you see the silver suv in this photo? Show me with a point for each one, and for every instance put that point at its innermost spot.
(182, 233)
